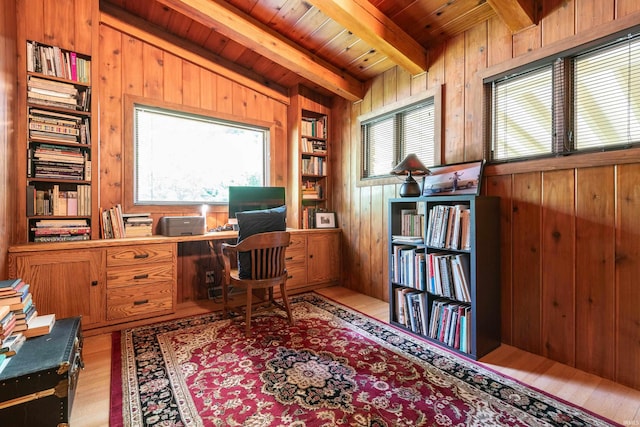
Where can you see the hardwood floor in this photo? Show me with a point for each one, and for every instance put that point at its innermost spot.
(604, 397)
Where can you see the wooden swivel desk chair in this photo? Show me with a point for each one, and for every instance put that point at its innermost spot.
(267, 252)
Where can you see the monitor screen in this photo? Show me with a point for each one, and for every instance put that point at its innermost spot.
(253, 198)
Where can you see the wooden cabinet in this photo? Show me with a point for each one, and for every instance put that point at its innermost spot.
(64, 282)
(309, 148)
(444, 270)
(323, 257)
(58, 203)
(313, 259)
(140, 281)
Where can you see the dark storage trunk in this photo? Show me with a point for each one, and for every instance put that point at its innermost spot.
(38, 385)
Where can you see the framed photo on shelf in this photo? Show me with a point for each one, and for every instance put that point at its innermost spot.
(458, 178)
(325, 220)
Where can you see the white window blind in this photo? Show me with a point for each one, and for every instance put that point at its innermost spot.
(522, 115)
(387, 139)
(607, 96)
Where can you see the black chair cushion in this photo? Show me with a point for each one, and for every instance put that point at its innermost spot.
(254, 222)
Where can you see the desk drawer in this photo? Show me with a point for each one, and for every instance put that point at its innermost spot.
(143, 254)
(137, 300)
(139, 275)
(297, 276)
(297, 250)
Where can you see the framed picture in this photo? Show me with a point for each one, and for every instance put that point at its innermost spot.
(458, 178)
(325, 220)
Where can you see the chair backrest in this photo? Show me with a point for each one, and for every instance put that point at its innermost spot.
(267, 251)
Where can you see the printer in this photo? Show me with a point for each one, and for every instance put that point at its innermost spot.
(181, 225)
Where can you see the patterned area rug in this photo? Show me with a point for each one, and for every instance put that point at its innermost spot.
(335, 367)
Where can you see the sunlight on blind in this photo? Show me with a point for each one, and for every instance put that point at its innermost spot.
(607, 89)
(522, 115)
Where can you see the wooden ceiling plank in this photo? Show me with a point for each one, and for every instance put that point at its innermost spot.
(516, 14)
(233, 23)
(376, 29)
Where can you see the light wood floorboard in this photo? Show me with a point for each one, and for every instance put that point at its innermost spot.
(604, 397)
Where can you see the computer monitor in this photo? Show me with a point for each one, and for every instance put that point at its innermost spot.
(253, 198)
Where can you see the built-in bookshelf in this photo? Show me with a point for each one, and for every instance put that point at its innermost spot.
(309, 121)
(444, 263)
(59, 150)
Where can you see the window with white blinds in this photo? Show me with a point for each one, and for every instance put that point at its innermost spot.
(388, 138)
(583, 101)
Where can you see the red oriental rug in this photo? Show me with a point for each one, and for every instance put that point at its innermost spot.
(335, 367)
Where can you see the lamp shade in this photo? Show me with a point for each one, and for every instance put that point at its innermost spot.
(410, 166)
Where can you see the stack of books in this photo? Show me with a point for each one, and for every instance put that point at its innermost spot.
(137, 225)
(51, 161)
(61, 230)
(57, 94)
(311, 190)
(50, 126)
(16, 310)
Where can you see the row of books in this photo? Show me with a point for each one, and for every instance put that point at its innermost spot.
(116, 224)
(310, 145)
(313, 166)
(61, 230)
(19, 318)
(51, 126)
(314, 127)
(450, 323)
(58, 94)
(442, 274)
(449, 227)
(56, 62)
(411, 224)
(55, 202)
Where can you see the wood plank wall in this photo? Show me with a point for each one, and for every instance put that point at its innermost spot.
(8, 77)
(570, 230)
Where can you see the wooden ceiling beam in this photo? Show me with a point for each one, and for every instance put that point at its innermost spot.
(516, 14)
(376, 29)
(235, 24)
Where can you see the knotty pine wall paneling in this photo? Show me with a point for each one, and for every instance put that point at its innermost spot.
(595, 269)
(132, 66)
(8, 115)
(627, 291)
(570, 252)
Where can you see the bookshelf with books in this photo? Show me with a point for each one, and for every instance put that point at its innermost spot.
(444, 279)
(310, 145)
(58, 142)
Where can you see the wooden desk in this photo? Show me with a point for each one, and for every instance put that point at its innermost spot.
(121, 282)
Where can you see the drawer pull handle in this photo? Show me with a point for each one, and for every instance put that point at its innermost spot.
(139, 256)
(144, 301)
(289, 276)
(141, 276)
(94, 283)
(289, 258)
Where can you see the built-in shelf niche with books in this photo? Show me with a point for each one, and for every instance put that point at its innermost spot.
(309, 148)
(59, 149)
(444, 263)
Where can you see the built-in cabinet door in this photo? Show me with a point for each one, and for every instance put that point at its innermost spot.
(65, 283)
(323, 257)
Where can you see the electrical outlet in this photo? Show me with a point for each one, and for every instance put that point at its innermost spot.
(210, 277)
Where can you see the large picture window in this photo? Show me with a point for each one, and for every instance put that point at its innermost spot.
(389, 135)
(585, 100)
(183, 158)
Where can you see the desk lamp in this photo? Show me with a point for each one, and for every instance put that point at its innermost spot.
(410, 166)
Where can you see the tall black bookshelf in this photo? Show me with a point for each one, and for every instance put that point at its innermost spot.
(444, 270)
